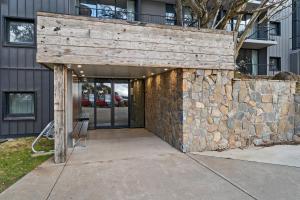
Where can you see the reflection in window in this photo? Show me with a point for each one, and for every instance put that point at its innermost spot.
(275, 28)
(104, 8)
(275, 64)
(170, 14)
(20, 31)
(20, 104)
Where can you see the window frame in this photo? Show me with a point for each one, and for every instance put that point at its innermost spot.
(13, 117)
(278, 28)
(6, 41)
(278, 61)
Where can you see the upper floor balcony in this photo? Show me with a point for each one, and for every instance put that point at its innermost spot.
(260, 37)
(147, 11)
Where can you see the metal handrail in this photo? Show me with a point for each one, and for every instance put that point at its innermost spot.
(261, 30)
(123, 14)
(47, 132)
(246, 67)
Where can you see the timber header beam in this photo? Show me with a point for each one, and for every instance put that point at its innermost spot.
(67, 39)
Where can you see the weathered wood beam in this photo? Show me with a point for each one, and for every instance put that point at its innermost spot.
(82, 40)
(60, 133)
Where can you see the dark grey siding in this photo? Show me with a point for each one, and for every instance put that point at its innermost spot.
(20, 72)
(262, 61)
(296, 25)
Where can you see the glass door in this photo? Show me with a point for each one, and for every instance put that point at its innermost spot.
(111, 103)
(121, 102)
(103, 103)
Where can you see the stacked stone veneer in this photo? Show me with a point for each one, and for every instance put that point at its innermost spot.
(163, 106)
(207, 99)
(137, 104)
(197, 110)
(263, 112)
(297, 118)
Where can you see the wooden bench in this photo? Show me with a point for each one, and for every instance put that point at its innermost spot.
(80, 131)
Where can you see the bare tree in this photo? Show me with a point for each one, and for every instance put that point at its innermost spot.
(217, 14)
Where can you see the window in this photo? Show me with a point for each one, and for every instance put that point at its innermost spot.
(104, 9)
(170, 14)
(19, 31)
(275, 64)
(19, 105)
(275, 28)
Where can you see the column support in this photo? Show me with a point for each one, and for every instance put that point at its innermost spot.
(60, 129)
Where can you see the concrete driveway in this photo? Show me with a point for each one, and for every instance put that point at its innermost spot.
(135, 164)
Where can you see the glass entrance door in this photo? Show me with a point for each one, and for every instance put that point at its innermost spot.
(111, 103)
(103, 103)
(121, 98)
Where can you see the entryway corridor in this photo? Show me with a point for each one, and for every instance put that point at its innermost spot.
(121, 164)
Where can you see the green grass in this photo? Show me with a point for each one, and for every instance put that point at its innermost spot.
(16, 160)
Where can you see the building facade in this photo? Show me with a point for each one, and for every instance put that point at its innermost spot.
(26, 101)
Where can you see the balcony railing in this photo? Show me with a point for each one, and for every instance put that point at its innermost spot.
(255, 69)
(123, 14)
(261, 33)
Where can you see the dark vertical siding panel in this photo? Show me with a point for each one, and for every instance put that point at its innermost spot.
(51, 93)
(38, 5)
(39, 99)
(4, 57)
(29, 86)
(29, 59)
(4, 84)
(45, 5)
(13, 54)
(60, 6)
(45, 94)
(21, 10)
(13, 7)
(53, 6)
(67, 6)
(21, 87)
(13, 86)
(29, 9)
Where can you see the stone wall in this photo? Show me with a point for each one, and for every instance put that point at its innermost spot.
(296, 137)
(207, 99)
(163, 106)
(263, 112)
(199, 110)
(137, 116)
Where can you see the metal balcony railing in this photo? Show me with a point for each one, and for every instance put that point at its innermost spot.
(262, 33)
(255, 69)
(123, 14)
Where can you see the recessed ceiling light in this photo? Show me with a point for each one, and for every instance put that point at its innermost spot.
(79, 66)
(81, 72)
(152, 73)
(144, 76)
(166, 69)
(82, 75)
(74, 75)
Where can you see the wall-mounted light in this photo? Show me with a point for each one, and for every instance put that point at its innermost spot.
(79, 66)
(166, 69)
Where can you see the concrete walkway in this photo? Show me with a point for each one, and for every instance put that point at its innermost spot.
(287, 155)
(135, 164)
